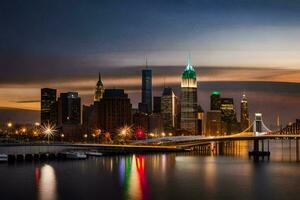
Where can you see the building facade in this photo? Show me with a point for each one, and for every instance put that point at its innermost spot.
(215, 100)
(90, 117)
(114, 110)
(69, 108)
(99, 90)
(155, 123)
(169, 109)
(156, 104)
(200, 120)
(146, 105)
(141, 120)
(229, 116)
(48, 106)
(69, 116)
(245, 121)
(188, 120)
(213, 123)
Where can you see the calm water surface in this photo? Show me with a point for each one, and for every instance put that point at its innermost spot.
(158, 176)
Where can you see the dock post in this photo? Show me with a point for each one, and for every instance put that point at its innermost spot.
(256, 145)
(297, 149)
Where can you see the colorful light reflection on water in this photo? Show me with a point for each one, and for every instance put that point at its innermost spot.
(46, 182)
(133, 178)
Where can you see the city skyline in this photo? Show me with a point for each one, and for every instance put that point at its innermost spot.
(228, 89)
(230, 41)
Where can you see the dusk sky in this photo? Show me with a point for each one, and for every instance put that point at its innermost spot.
(236, 46)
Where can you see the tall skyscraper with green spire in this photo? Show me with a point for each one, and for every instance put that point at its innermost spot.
(188, 120)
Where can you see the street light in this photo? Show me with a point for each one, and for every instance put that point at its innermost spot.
(125, 132)
(35, 133)
(151, 134)
(23, 130)
(9, 124)
(97, 133)
(48, 130)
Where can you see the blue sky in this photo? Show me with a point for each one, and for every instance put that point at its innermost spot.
(104, 32)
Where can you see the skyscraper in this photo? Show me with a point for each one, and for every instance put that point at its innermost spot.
(146, 104)
(213, 123)
(215, 100)
(99, 90)
(228, 115)
(189, 99)
(141, 120)
(48, 106)
(169, 109)
(245, 121)
(114, 110)
(90, 114)
(69, 108)
(200, 120)
(156, 104)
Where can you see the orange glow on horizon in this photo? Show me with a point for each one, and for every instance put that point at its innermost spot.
(27, 96)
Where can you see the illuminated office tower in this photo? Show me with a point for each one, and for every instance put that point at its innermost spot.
(188, 120)
(200, 120)
(228, 115)
(169, 109)
(99, 90)
(213, 123)
(48, 106)
(215, 100)
(245, 122)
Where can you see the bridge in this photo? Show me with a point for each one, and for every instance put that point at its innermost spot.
(257, 132)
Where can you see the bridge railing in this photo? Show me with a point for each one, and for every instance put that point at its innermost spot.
(291, 129)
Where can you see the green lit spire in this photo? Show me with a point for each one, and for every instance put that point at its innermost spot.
(215, 93)
(189, 72)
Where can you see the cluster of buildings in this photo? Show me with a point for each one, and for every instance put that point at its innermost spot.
(221, 119)
(170, 115)
(111, 110)
(162, 115)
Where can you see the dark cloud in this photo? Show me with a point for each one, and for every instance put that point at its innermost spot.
(28, 101)
(17, 115)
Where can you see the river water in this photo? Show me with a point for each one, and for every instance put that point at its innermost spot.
(158, 176)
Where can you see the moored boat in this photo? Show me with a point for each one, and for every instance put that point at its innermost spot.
(94, 153)
(75, 155)
(3, 157)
